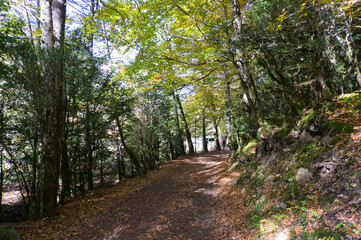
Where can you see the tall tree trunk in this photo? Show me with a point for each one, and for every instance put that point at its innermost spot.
(238, 63)
(81, 173)
(216, 135)
(350, 48)
(179, 133)
(88, 138)
(65, 166)
(171, 154)
(1, 183)
(152, 150)
(120, 162)
(325, 91)
(88, 148)
(195, 135)
(52, 15)
(188, 134)
(228, 106)
(123, 164)
(241, 68)
(143, 154)
(101, 168)
(132, 156)
(204, 134)
(33, 213)
(119, 167)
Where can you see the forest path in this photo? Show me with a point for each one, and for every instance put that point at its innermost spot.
(188, 198)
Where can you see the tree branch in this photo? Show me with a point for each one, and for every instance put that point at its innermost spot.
(112, 8)
(180, 61)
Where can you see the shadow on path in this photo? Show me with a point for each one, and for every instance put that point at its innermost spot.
(179, 201)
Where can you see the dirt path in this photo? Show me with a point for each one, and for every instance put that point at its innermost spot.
(186, 199)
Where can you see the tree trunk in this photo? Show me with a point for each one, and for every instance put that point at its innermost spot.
(1, 183)
(65, 168)
(81, 176)
(179, 133)
(88, 148)
(325, 91)
(228, 106)
(188, 134)
(195, 135)
(120, 162)
(52, 15)
(101, 173)
(171, 154)
(33, 213)
(216, 135)
(143, 154)
(243, 77)
(130, 153)
(350, 49)
(123, 164)
(204, 134)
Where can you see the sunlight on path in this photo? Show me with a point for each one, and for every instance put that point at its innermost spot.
(189, 198)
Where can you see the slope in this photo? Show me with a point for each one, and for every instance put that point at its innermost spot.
(305, 182)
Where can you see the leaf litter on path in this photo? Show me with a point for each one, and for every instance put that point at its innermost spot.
(188, 198)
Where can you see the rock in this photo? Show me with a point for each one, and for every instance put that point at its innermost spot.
(235, 181)
(283, 235)
(294, 134)
(306, 137)
(303, 174)
(313, 128)
(269, 178)
(281, 204)
(326, 140)
(325, 169)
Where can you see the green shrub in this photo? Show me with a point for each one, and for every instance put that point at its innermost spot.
(339, 127)
(320, 234)
(9, 234)
(306, 119)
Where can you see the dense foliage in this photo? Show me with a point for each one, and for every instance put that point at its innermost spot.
(72, 114)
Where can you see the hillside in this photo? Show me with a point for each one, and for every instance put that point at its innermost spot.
(305, 182)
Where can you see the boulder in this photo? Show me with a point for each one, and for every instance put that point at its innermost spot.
(306, 137)
(326, 140)
(303, 174)
(235, 181)
(281, 204)
(313, 128)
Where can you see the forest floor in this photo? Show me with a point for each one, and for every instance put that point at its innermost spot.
(188, 198)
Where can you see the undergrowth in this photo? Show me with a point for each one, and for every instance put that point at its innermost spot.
(276, 202)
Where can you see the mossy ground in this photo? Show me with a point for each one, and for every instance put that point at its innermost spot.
(277, 203)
